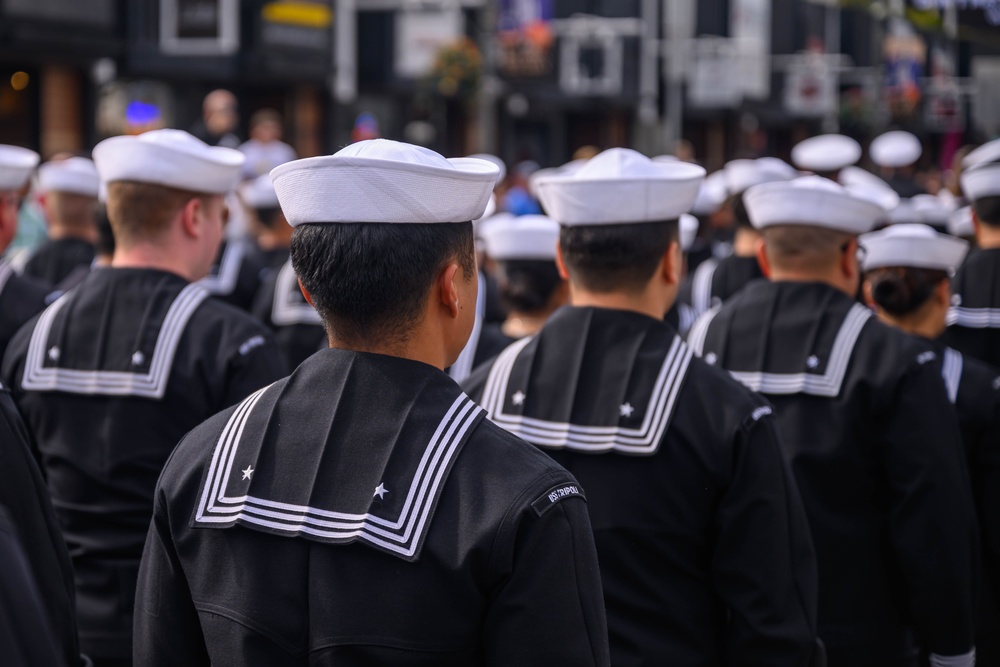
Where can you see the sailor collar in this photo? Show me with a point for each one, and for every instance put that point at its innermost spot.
(642, 417)
(824, 370)
(222, 280)
(289, 307)
(257, 481)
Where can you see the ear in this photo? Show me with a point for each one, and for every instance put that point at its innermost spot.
(866, 290)
(976, 224)
(765, 265)
(447, 288)
(849, 266)
(943, 293)
(673, 263)
(306, 294)
(561, 263)
(191, 218)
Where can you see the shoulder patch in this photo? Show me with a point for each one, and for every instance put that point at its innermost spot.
(926, 357)
(761, 412)
(556, 494)
(251, 344)
(996, 383)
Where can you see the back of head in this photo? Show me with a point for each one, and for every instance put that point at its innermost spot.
(902, 291)
(369, 241)
(619, 215)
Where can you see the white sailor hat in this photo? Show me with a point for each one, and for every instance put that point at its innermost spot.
(811, 201)
(981, 181)
(743, 174)
(16, 164)
(689, 231)
(988, 152)
(895, 149)
(259, 193)
(621, 186)
(380, 180)
(495, 160)
(172, 158)
(869, 186)
(522, 237)
(960, 223)
(567, 169)
(712, 194)
(931, 210)
(827, 152)
(916, 246)
(76, 175)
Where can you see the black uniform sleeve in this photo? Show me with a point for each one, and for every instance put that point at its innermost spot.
(764, 565)
(986, 469)
(255, 363)
(932, 524)
(166, 629)
(549, 610)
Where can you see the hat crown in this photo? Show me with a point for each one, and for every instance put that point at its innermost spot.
(909, 230)
(17, 157)
(395, 151)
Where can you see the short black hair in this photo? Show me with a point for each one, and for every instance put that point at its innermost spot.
(369, 282)
(610, 258)
(527, 285)
(740, 213)
(988, 210)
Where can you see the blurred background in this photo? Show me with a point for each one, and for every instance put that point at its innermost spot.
(523, 79)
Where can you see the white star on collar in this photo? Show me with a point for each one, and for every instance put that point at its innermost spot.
(518, 398)
(812, 362)
(711, 358)
(626, 409)
(54, 354)
(138, 358)
(380, 491)
(248, 472)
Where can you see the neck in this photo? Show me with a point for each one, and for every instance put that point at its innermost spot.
(58, 232)
(917, 324)
(646, 303)
(422, 345)
(988, 236)
(271, 240)
(793, 276)
(148, 256)
(745, 242)
(519, 325)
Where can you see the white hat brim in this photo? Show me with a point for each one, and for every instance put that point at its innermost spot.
(916, 246)
(775, 204)
(16, 165)
(374, 190)
(128, 158)
(982, 181)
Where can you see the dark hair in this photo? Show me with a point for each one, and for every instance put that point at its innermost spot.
(370, 282)
(105, 236)
(526, 285)
(607, 258)
(268, 217)
(988, 210)
(740, 211)
(902, 290)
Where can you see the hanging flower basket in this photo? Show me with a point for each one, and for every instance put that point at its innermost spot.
(457, 70)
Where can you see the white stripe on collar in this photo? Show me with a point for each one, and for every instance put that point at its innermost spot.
(152, 384)
(6, 271)
(224, 281)
(829, 383)
(286, 311)
(951, 371)
(462, 367)
(701, 286)
(974, 318)
(699, 331)
(402, 535)
(548, 434)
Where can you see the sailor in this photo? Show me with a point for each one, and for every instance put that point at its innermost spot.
(703, 544)
(111, 376)
(835, 156)
(524, 249)
(897, 153)
(272, 232)
(715, 280)
(975, 317)
(69, 190)
(365, 510)
(21, 297)
(234, 276)
(865, 422)
(47, 576)
(907, 271)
